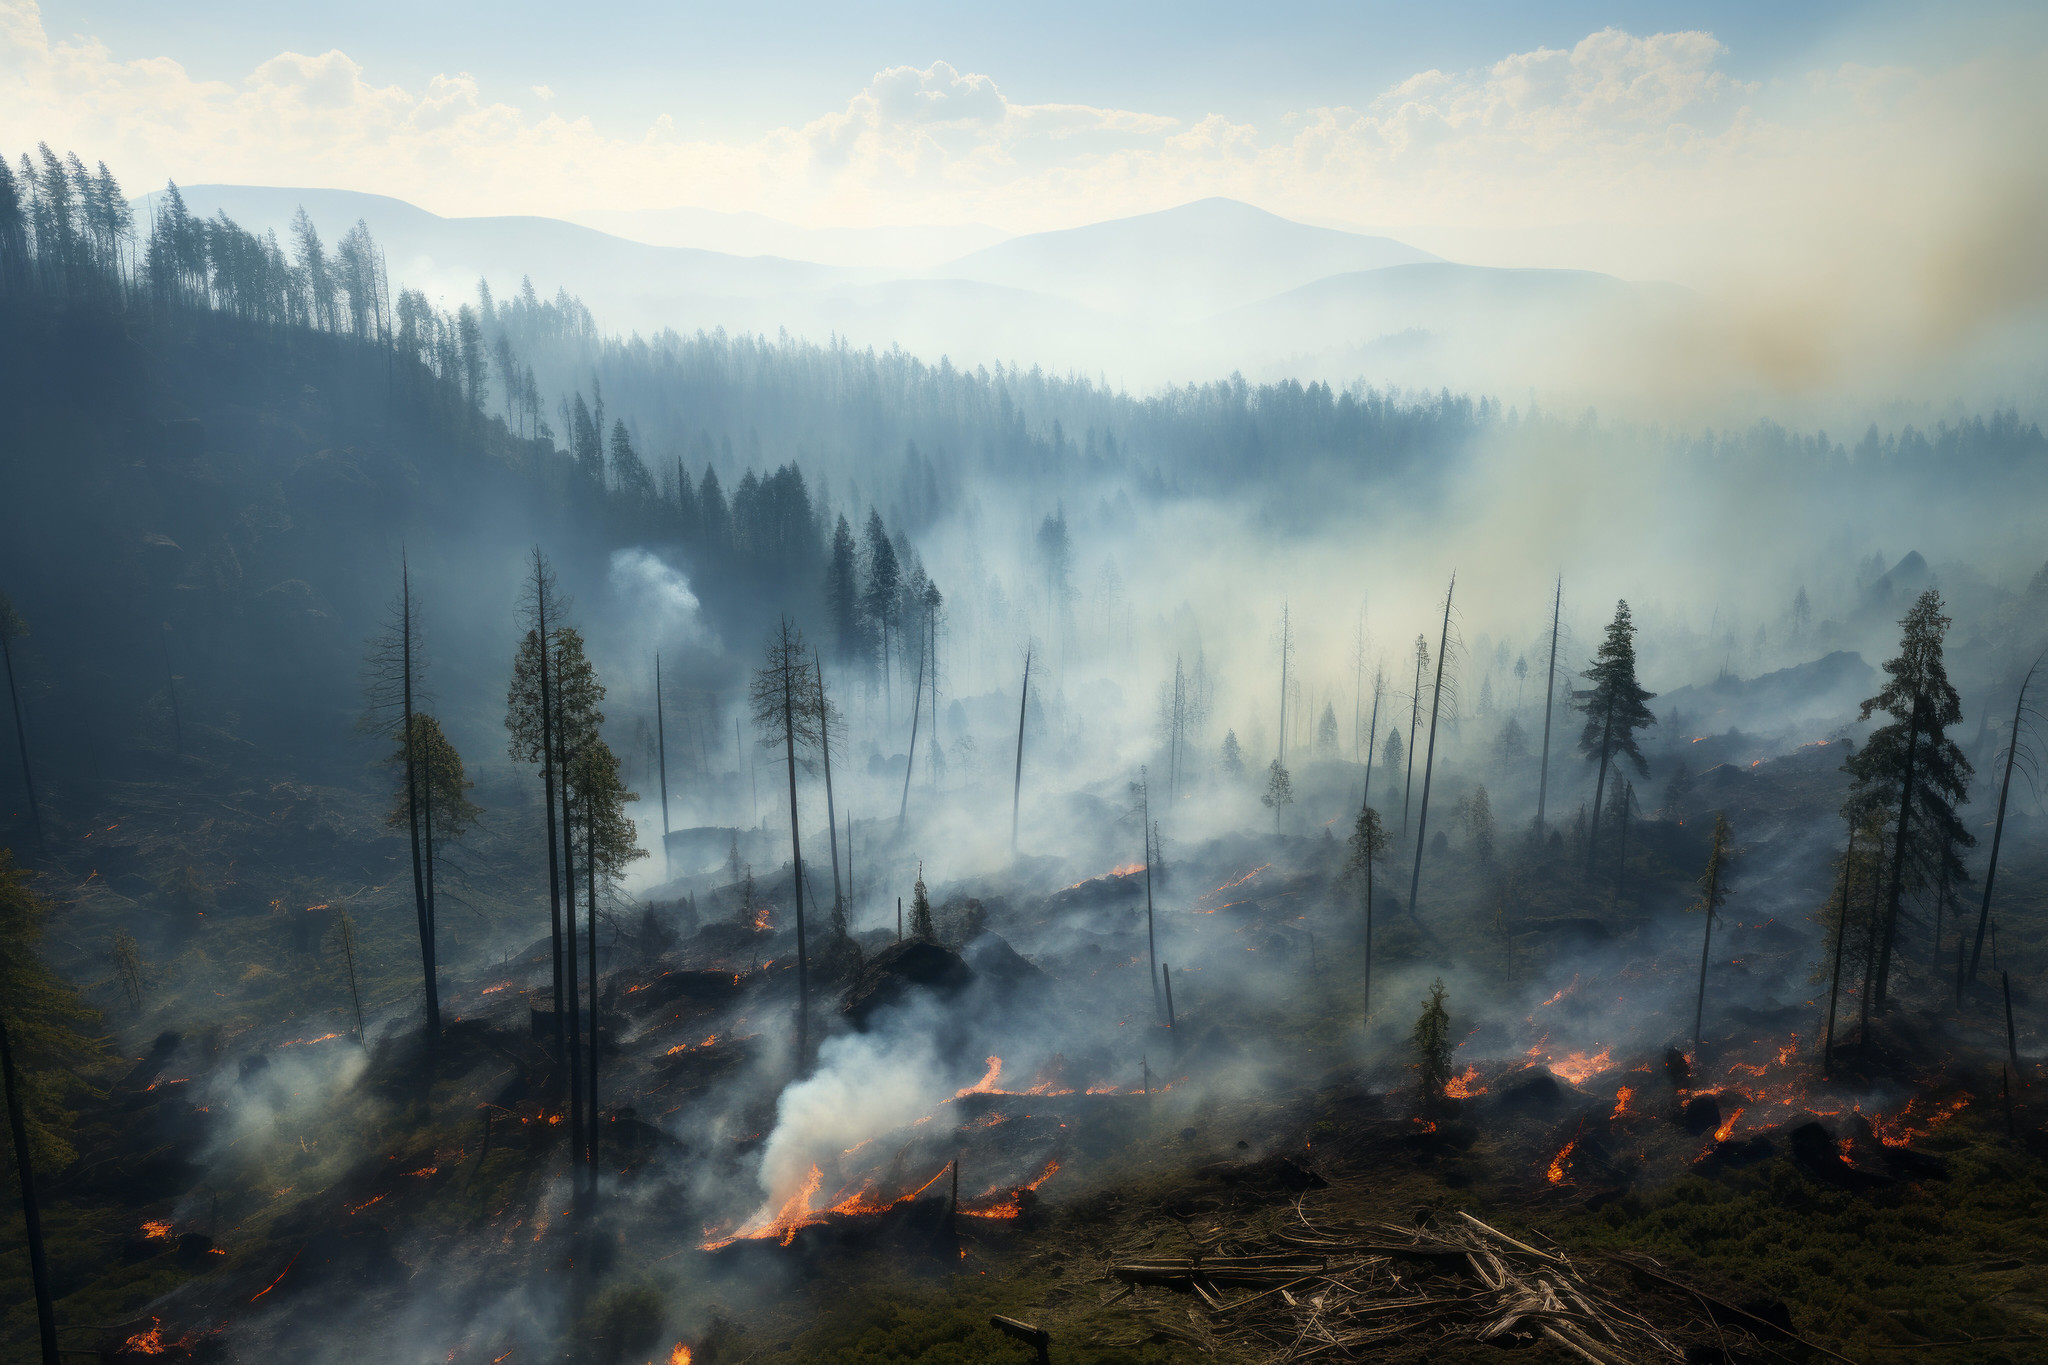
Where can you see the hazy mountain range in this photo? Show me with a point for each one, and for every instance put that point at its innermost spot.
(1187, 293)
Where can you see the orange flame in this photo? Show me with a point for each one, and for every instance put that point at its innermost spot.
(1899, 1130)
(1577, 1067)
(1555, 1174)
(1013, 1204)
(157, 1229)
(150, 1343)
(1466, 1086)
(987, 1084)
(1621, 1099)
(680, 1355)
(1728, 1125)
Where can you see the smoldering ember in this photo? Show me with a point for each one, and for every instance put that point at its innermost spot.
(1343, 691)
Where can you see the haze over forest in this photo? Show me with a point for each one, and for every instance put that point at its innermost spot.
(596, 715)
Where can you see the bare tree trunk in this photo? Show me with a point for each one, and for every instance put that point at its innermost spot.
(2012, 746)
(796, 863)
(831, 814)
(413, 780)
(661, 760)
(28, 780)
(575, 1004)
(1151, 942)
(547, 773)
(1429, 765)
(916, 705)
(590, 945)
(1600, 786)
(31, 1215)
(1699, 1010)
(1827, 1055)
(1549, 690)
(1281, 753)
(1017, 789)
(1414, 720)
(1898, 872)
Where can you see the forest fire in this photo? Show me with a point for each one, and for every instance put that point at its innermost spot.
(1557, 1172)
(1012, 1204)
(1901, 1130)
(1466, 1086)
(157, 1229)
(1578, 1067)
(1621, 1100)
(680, 1355)
(150, 1343)
(798, 1213)
(1727, 1127)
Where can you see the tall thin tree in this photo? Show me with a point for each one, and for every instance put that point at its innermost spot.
(1017, 783)
(1436, 707)
(1713, 892)
(1549, 691)
(780, 695)
(1615, 709)
(824, 705)
(2020, 713)
(12, 626)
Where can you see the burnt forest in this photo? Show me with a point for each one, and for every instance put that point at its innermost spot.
(534, 835)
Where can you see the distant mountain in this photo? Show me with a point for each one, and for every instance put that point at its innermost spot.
(629, 285)
(917, 247)
(1180, 263)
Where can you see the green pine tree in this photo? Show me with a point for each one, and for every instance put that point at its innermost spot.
(1615, 710)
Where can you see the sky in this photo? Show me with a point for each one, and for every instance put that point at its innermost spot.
(1657, 140)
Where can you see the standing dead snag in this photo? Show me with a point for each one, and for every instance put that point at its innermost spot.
(2012, 751)
(1713, 892)
(825, 716)
(12, 625)
(1827, 1054)
(1414, 720)
(530, 717)
(1549, 691)
(1436, 706)
(1017, 787)
(609, 843)
(784, 713)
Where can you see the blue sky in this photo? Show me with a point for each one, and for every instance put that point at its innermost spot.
(735, 69)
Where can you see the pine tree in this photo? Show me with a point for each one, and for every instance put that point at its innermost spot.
(1432, 1044)
(1478, 812)
(842, 597)
(921, 908)
(782, 697)
(1392, 751)
(1279, 793)
(1232, 756)
(1911, 768)
(1615, 710)
(882, 581)
(1326, 732)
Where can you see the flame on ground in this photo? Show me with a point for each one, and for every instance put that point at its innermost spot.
(1901, 1128)
(157, 1229)
(1578, 1067)
(987, 1084)
(1727, 1127)
(1555, 1172)
(1466, 1086)
(1013, 1204)
(680, 1355)
(1621, 1099)
(150, 1343)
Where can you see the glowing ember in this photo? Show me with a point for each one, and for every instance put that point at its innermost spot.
(1577, 1067)
(1013, 1205)
(764, 917)
(1555, 1173)
(1128, 869)
(1621, 1099)
(310, 1041)
(150, 1343)
(1563, 993)
(1728, 1125)
(1466, 1086)
(1231, 886)
(987, 1084)
(502, 985)
(1901, 1129)
(157, 1229)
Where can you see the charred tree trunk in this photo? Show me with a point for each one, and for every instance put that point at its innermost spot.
(1429, 765)
(28, 779)
(661, 762)
(1017, 789)
(1151, 941)
(2012, 745)
(31, 1215)
(590, 955)
(414, 779)
(831, 814)
(1893, 883)
(547, 774)
(1600, 785)
(575, 1004)
(796, 864)
(916, 706)
(1827, 1055)
(1549, 691)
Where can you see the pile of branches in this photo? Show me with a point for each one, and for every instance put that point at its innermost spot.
(1337, 1291)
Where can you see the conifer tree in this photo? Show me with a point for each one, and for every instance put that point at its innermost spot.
(1431, 1041)
(921, 908)
(843, 597)
(13, 627)
(394, 691)
(784, 709)
(1911, 768)
(882, 582)
(1232, 756)
(1615, 710)
(1713, 892)
(1279, 793)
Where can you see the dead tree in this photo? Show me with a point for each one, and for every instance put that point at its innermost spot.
(1286, 653)
(661, 762)
(1827, 1054)
(1713, 892)
(824, 705)
(1429, 765)
(31, 1215)
(781, 698)
(11, 625)
(1549, 690)
(916, 705)
(1017, 789)
(1414, 721)
(2012, 750)
(392, 682)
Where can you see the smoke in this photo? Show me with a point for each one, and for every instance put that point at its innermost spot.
(657, 598)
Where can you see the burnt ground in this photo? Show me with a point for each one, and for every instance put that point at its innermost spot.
(254, 1184)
